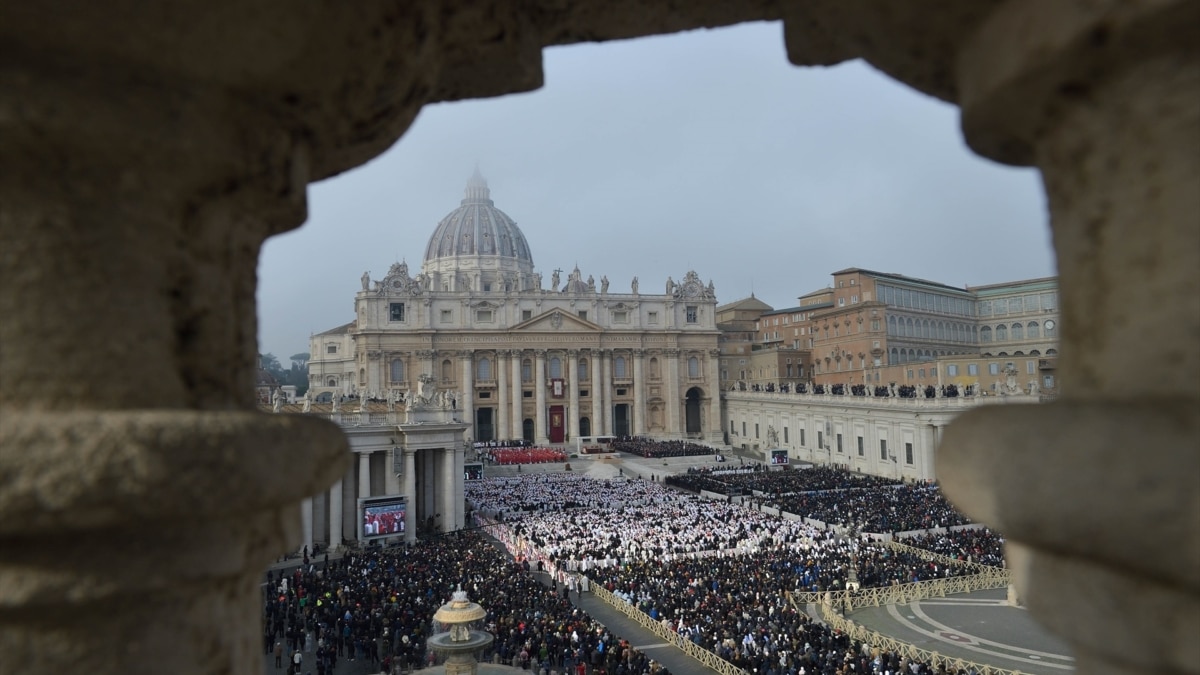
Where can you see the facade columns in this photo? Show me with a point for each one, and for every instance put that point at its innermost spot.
(712, 430)
(639, 393)
(466, 404)
(306, 523)
(503, 397)
(391, 478)
(597, 395)
(539, 396)
(518, 400)
(572, 372)
(1103, 100)
(364, 474)
(671, 394)
(335, 514)
(410, 492)
(606, 391)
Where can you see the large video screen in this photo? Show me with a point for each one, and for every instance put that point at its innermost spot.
(779, 457)
(473, 471)
(381, 517)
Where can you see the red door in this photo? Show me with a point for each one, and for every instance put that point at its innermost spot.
(558, 423)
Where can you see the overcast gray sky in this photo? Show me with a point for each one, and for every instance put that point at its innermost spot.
(704, 150)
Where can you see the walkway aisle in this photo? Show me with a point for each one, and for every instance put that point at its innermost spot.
(678, 662)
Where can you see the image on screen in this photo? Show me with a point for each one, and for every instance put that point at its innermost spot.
(779, 457)
(384, 518)
(473, 471)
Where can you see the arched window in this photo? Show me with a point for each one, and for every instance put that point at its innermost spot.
(693, 367)
(891, 325)
(925, 328)
(1032, 330)
(483, 369)
(1034, 352)
(1051, 352)
(654, 369)
(397, 371)
(582, 372)
(1001, 333)
(619, 368)
(555, 367)
(985, 334)
(362, 377)
(910, 330)
(1018, 331)
(447, 371)
(331, 382)
(527, 371)
(893, 357)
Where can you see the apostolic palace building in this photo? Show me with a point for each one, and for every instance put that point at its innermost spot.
(520, 359)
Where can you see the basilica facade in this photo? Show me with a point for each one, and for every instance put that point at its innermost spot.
(521, 359)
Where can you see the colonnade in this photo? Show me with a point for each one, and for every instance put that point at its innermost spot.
(517, 372)
(327, 516)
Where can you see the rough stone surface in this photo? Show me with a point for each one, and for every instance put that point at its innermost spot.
(149, 149)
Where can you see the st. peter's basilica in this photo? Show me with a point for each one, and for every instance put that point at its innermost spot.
(518, 359)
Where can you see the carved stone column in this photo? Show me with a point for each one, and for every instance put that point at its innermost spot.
(306, 523)
(142, 492)
(572, 373)
(539, 396)
(466, 403)
(410, 491)
(606, 393)
(639, 392)
(597, 395)
(503, 397)
(671, 394)
(1098, 493)
(712, 428)
(335, 514)
(364, 474)
(518, 399)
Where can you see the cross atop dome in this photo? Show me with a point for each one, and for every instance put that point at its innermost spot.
(477, 191)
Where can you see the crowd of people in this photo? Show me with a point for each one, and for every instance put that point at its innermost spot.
(878, 391)
(979, 545)
(719, 573)
(774, 483)
(647, 448)
(834, 495)
(714, 572)
(895, 508)
(377, 606)
(524, 455)
(505, 498)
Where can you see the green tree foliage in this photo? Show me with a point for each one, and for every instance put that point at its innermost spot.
(297, 375)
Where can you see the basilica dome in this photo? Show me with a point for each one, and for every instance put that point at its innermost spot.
(477, 235)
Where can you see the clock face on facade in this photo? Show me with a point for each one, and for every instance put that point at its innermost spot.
(1050, 324)
(396, 283)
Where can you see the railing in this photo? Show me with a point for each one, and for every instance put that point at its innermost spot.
(704, 656)
(904, 649)
(986, 578)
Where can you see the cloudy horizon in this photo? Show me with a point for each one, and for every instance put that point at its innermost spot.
(699, 151)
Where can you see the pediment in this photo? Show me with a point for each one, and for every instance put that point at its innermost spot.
(557, 320)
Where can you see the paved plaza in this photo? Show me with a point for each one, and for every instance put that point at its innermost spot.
(979, 627)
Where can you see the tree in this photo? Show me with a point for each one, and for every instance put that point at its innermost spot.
(300, 360)
(271, 364)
